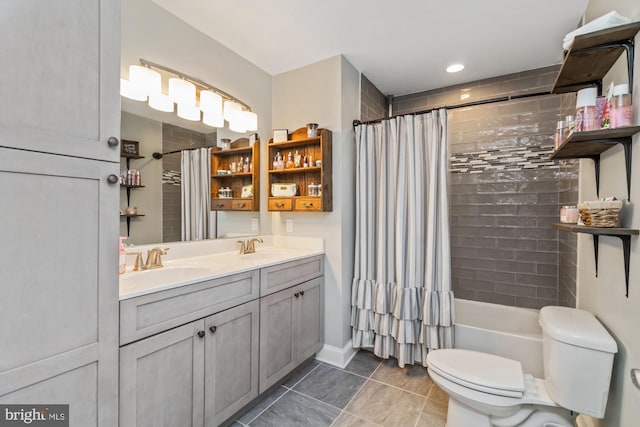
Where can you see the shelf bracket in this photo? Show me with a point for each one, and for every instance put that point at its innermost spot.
(626, 249)
(626, 143)
(128, 225)
(629, 46)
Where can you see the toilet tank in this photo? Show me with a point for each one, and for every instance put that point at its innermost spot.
(578, 359)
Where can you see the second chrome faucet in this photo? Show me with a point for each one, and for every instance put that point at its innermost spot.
(249, 246)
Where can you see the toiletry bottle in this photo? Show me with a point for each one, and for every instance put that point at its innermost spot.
(559, 135)
(621, 106)
(297, 159)
(289, 160)
(245, 167)
(122, 258)
(305, 164)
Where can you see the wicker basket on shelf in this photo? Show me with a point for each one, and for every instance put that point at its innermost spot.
(600, 214)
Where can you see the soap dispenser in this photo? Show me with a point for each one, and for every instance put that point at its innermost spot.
(122, 259)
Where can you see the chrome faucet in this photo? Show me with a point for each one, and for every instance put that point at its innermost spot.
(249, 246)
(154, 258)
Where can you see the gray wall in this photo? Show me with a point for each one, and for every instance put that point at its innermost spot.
(504, 191)
(373, 103)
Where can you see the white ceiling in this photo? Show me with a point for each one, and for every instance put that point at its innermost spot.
(401, 46)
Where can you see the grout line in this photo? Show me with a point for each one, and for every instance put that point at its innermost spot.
(349, 402)
(282, 395)
(317, 400)
(268, 406)
(398, 388)
(424, 404)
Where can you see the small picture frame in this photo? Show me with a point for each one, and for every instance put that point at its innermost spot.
(130, 148)
(280, 135)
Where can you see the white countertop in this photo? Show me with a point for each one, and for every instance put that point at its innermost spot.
(193, 262)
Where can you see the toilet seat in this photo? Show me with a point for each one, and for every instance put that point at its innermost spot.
(482, 372)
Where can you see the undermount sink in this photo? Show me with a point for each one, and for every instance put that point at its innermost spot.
(161, 276)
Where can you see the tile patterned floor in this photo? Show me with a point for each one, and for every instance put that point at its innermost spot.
(369, 392)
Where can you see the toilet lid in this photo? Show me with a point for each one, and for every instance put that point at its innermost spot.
(480, 371)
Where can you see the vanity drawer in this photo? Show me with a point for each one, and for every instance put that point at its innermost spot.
(242, 205)
(280, 204)
(220, 204)
(309, 204)
(283, 276)
(150, 314)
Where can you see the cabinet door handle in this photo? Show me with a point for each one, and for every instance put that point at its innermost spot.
(307, 205)
(213, 329)
(279, 205)
(241, 205)
(113, 179)
(113, 141)
(302, 293)
(201, 334)
(219, 205)
(296, 294)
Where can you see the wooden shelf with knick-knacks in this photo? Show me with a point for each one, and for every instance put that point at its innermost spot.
(228, 171)
(314, 178)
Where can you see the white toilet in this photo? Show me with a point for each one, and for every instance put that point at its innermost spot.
(486, 390)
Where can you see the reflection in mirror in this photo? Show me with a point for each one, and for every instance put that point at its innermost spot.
(159, 197)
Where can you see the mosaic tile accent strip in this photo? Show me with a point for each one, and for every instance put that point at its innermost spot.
(503, 159)
(172, 177)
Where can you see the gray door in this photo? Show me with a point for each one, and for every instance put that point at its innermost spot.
(162, 379)
(60, 76)
(59, 304)
(309, 325)
(277, 353)
(231, 361)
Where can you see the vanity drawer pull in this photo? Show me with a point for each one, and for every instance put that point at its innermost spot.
(241, 205)
(279, 205)
(213, 329)
(296, 294)
(307, 205)
(220, 205)
(201, 334)
(302, 293)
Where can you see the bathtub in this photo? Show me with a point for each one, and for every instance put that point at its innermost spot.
(502, 330)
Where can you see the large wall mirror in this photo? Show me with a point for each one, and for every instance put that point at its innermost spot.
(154, 207)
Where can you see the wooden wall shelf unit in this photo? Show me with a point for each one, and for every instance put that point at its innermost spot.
(592, 55)
(221, 160)
(320, 149)
(590, 144)
(624, 234)
(128, 157)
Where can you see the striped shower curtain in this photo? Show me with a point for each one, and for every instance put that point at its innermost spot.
(401, 302)
(196, 194)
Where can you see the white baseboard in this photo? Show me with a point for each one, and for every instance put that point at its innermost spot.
(337, 356)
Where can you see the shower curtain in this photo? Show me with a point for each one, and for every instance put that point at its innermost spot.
(401, 301)
(196, 194)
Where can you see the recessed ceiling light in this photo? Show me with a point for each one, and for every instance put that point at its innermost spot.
(454, 68)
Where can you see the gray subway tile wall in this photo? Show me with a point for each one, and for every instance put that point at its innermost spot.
(504, 192)
(373, 103)
(174, 138)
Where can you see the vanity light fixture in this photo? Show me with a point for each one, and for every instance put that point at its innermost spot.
(190, 95)
(454, 68)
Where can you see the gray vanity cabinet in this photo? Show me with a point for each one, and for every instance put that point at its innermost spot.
(196, 374)
(162, 379)
(291, 329)
(231, 361)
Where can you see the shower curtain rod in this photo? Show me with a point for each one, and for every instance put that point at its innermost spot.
(157, 155)
(453, 107)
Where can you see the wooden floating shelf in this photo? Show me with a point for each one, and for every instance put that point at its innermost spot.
(295, 143)
(624, 234)
(592, 55)
(131, 186)
(590, 144)
(230, 151)
(233, 175)
(130, 215)
(296, 170)
(131, 156)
